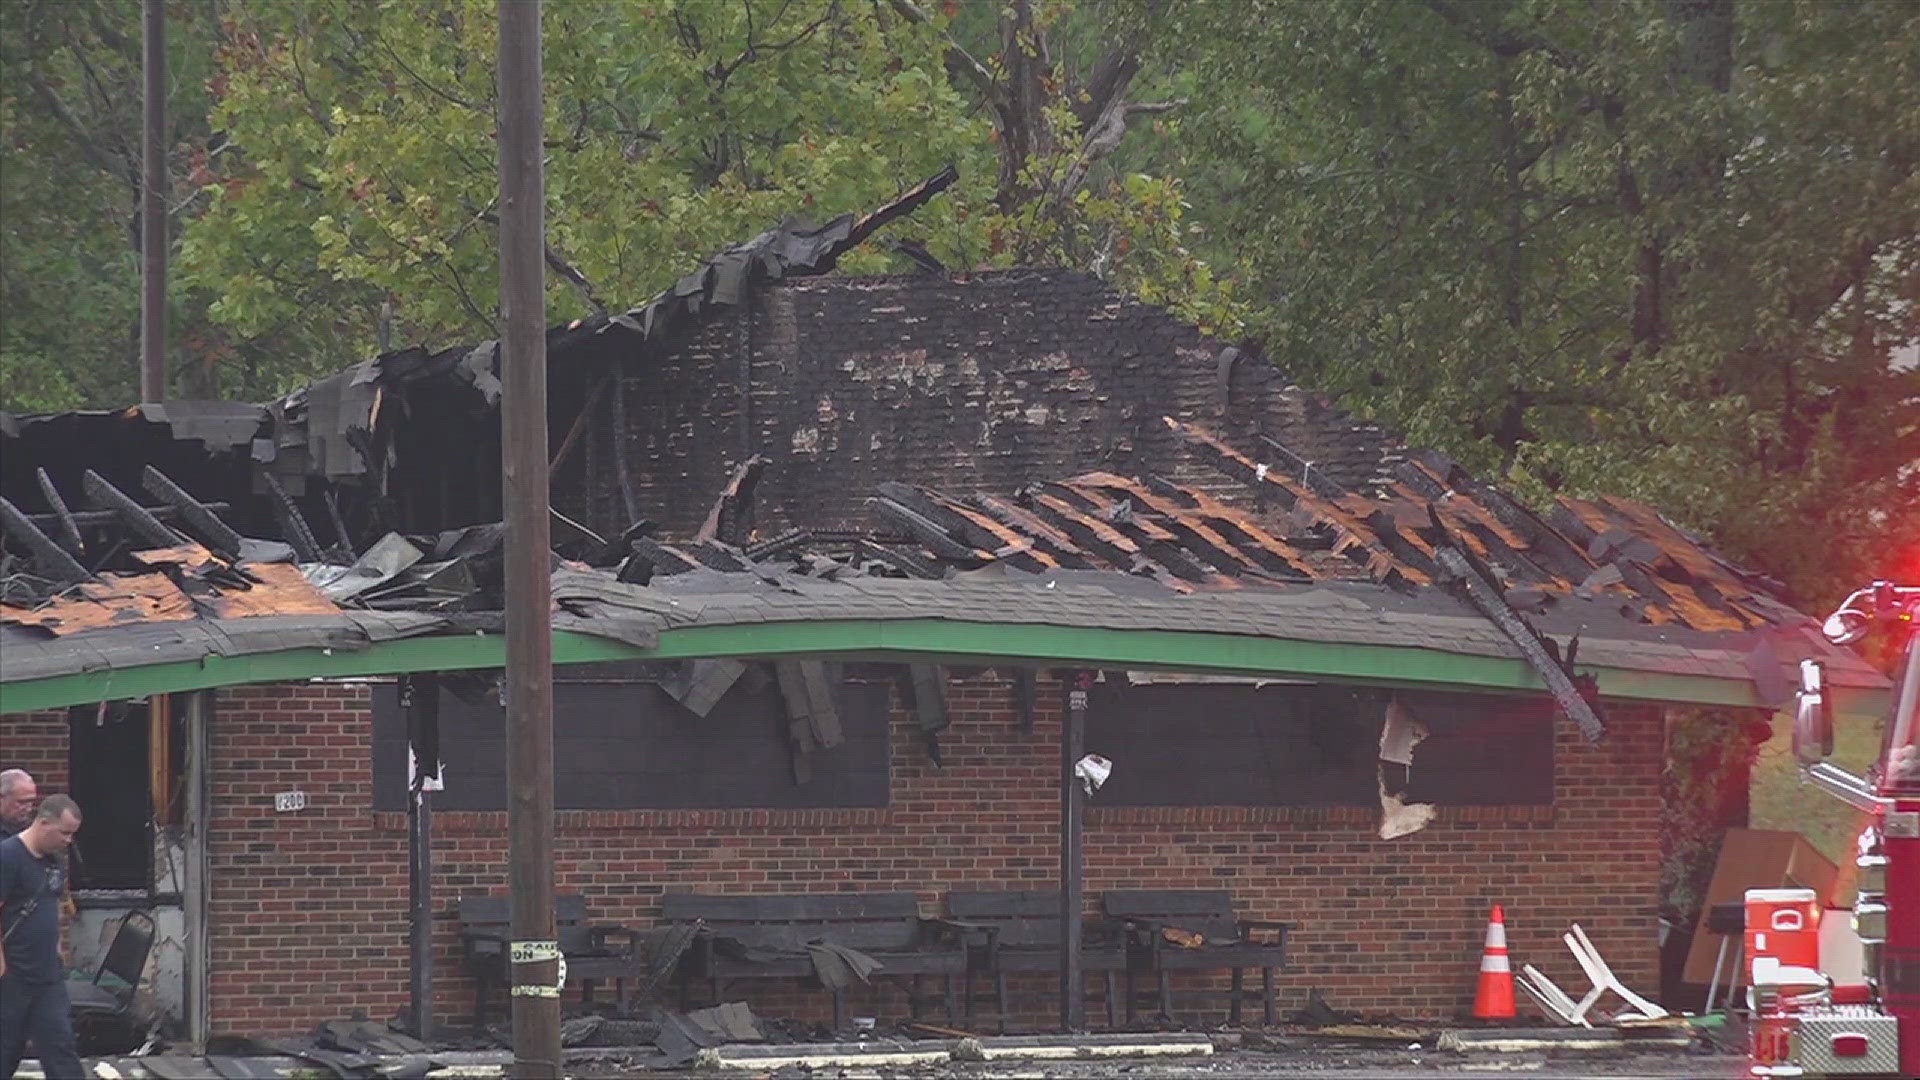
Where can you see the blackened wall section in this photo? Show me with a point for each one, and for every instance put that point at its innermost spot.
(1297, 745)
(978, 385)
(631, 746)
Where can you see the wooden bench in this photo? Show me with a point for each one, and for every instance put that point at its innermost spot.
(1196, 930)
(756, 937)
(592, 952)
(1020, 932)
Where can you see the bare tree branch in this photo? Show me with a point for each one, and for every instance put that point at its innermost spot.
(960, 63)
(579, 280)
(1111, 77)
(106, 160)
(1104, 138)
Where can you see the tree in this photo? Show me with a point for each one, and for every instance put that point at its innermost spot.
(334, 166)
(363, 176)
(70, 111)
(1662, 248)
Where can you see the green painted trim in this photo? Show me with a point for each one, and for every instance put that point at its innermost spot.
(913, 639)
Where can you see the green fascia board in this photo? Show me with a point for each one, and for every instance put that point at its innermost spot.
(926, 640)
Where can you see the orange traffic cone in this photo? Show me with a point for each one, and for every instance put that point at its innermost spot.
(1494, 1001)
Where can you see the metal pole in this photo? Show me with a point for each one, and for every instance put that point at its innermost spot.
(153, 208)
(1073, 741)
(523, 464)
(198, 894)
(420, 695)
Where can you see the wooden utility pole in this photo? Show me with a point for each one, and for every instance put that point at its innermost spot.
(153, 207)
(533, 952)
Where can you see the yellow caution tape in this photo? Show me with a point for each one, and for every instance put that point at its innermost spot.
(533, 952)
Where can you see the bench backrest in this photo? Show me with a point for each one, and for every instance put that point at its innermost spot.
(483, 912)
(1023, 918)
(786, 922)
(1201, 911)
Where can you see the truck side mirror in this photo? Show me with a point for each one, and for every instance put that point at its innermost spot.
(1813, 715)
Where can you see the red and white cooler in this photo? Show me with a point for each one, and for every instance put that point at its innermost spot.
(1784, 924)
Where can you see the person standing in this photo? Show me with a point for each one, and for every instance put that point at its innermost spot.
(18, 793)
(33, 981)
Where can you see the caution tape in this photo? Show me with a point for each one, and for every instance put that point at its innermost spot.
(533, 952)
(538, 952)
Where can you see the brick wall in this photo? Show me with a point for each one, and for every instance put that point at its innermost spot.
(985, 384)
(37, 742)
(309, 909)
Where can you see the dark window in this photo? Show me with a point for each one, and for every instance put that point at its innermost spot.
(107, 763)
(629, 745)
(1300, 745)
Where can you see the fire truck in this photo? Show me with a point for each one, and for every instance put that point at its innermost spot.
(1801, 1023)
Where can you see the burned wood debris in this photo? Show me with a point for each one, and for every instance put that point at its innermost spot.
(182, 558)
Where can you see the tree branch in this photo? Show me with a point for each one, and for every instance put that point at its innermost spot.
(1111, 77)
(1104, 138)
(105, 160)
(555, 261)
(961, 66)
(579, 280)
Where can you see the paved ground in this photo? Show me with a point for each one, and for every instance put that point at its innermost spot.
(1305, 1060)
(1251, 1055)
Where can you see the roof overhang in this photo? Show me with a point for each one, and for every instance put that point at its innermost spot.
(922, 640)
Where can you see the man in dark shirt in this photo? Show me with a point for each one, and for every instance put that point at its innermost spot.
(18, 793)
(33, 982)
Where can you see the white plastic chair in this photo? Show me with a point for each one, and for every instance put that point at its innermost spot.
(1549, 997)
(1554, 1000)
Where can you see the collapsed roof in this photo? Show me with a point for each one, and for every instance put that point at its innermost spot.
(1599, 598)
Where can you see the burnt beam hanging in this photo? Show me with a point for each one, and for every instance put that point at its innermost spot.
(967, 526)
(205, 525)
(807, 690)
(343, 541)
(731, 518)
(928, 686)
(1480, 591)
(51, 558)
(136, 517)
(581, 420)
(936, 539)
(293, 524)
(899, 560)
(66, 531)
(698, 685)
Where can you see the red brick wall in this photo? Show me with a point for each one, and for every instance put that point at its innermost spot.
(37, 742)
(309, 908)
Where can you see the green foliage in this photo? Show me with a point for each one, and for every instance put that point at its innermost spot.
(367, 167)
(1703, 792)
(70, 161)
(365, 170)
(1661, 250)
(64, 130)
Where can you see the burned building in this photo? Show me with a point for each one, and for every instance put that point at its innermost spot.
(831, 553)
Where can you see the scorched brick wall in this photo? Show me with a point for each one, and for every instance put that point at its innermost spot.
(309, 908)
(985, 384)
